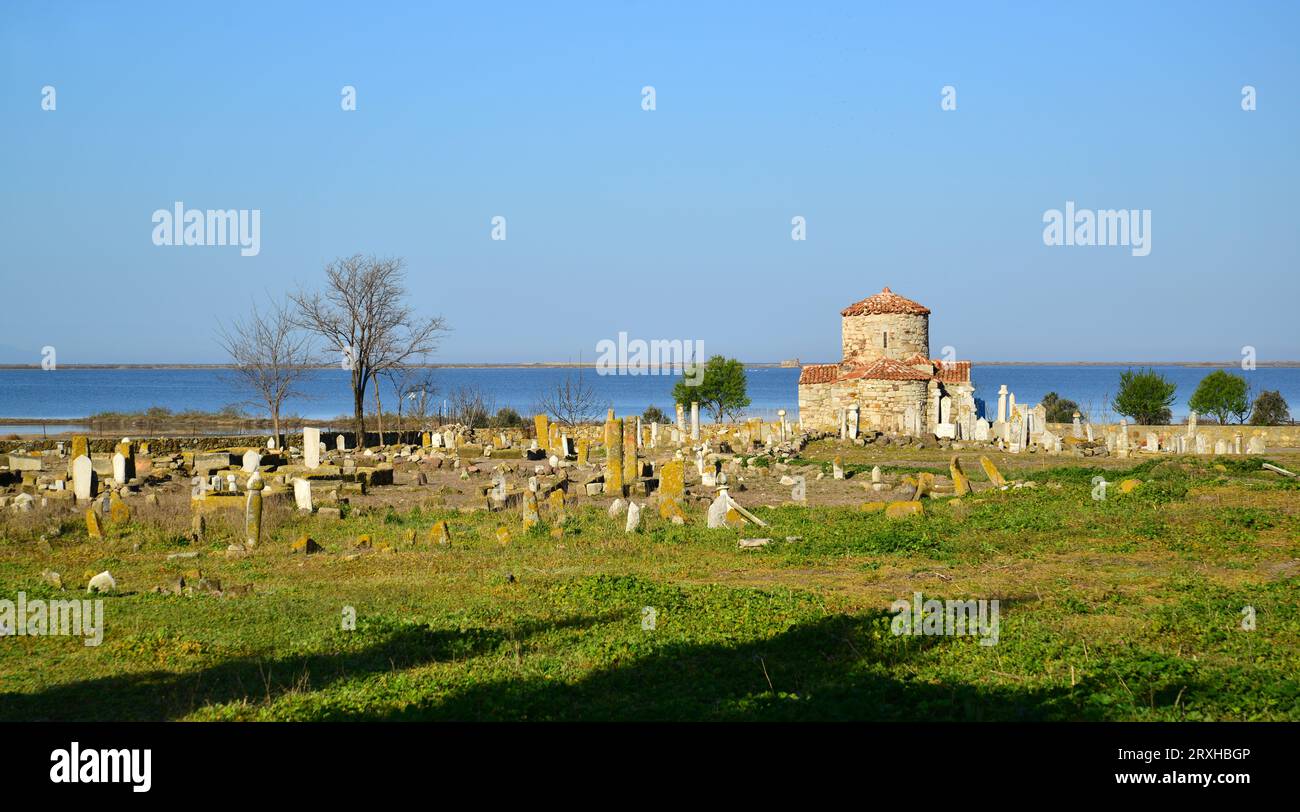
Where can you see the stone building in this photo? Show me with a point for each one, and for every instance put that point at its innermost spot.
(886, 379)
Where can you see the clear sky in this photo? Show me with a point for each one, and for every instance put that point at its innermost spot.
(671, 223)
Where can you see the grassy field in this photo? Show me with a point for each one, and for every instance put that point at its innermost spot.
(1128, 608)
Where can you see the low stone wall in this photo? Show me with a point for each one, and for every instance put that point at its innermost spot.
(1274, 436)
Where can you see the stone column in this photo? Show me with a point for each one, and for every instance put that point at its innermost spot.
(1076, 430)
(253, 512)
(681, 419)
(695, 420)
(1002, 404)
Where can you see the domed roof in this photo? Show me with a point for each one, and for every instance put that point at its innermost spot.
(886, 301)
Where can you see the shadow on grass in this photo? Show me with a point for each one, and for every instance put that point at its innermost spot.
(833, 668)
(163, 695)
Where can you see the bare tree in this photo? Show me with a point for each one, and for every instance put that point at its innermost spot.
(470, 406)
(571, 401)
(270, 356)
(413, 386)
(363, 315)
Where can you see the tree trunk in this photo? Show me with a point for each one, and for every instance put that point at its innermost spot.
(379, 409)
(358, 417)
(275, 423)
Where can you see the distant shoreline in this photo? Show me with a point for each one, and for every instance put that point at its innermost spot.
(748, 364)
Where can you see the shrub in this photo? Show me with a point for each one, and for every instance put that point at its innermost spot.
(1270, 409)
(1059, 410)
(1145, 396)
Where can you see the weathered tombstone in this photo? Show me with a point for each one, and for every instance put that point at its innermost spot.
(633, 518)
(992, 472)
(119, 468)
(837, 468)
(341, 442)
(614, 457)
(83, 478)
(672, 481)
(960, 483)
(1002, 404)
(311, 447)
(630, 468)
(981, 431)
(302, 494)
(251, 461)
(1076, 429)
(1256, 444)
(717, 514)
(531, 516)
(695, 420)
(543, 433)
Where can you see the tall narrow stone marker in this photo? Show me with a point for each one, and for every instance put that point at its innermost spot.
(311, 447)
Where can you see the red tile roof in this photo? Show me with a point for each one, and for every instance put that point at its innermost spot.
(884, 369)
(887, 369)
(886, 301)
(953, 371)
(819, 373)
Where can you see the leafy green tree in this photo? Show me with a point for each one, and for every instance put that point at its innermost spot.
(1222, 394)
(653, 414)
(1270, 409)
(1145, 396)
(1059, 410)
(505, 418)
(719, 387)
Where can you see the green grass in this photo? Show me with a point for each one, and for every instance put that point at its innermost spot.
(1128, 608)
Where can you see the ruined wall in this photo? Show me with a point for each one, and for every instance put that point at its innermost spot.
(909, 335)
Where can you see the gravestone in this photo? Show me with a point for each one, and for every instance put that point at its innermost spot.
(251, 461)
(311, 447)
(83, 478)
(302, 494)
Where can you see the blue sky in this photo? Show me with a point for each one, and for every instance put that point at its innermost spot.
(666, 224)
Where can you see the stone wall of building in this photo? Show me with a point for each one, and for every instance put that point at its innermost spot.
(882, 404)
(908, 335)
